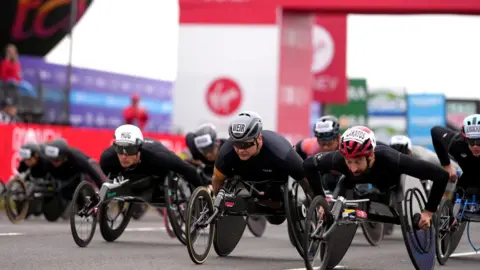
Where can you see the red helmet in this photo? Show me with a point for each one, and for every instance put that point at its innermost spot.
(357, 141)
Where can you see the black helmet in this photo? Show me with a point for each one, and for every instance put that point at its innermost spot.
(56, 150)
(326, 128)
(245, 126)
(205, 137)
(28, 150)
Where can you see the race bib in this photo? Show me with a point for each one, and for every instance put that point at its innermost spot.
(322, 127)
(472, 131)
(24, 153)
(356, 135)
(238, 129)
(203, 141)
(51, 151)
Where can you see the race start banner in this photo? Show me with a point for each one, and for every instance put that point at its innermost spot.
(423, 112)
(355, 112)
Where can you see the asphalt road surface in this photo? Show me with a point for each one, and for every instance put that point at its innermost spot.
(37, 244)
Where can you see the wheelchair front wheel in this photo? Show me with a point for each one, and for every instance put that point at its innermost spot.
(199, 210)
(83, 209)
(314, 245)
(16, 201)
(443, 220)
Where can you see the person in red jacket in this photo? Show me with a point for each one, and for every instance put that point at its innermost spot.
(134, 114)
(10, 69)
(11, 72)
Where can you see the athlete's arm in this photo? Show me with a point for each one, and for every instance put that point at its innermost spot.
(425, 170)
(83, 164)
(293, 164)
(22, 167)
(323, 163)
(218, 179)
(441, 138)
(299, 150)
(172, 162)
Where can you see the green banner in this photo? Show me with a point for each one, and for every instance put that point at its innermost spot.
(355, 111)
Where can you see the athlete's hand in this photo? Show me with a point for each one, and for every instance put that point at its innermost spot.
(451, 171)
(425, 220)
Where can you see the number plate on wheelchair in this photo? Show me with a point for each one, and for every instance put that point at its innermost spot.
(234, 203)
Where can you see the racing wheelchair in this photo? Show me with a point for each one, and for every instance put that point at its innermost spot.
(119, 195)
(331, 225)
(27, 195)
(454, 216)
(224, 219)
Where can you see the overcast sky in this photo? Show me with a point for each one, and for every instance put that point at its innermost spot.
(422, 53)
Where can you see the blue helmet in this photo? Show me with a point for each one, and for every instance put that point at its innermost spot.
(471, 127)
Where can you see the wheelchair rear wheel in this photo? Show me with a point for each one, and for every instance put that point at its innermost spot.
(177, 194)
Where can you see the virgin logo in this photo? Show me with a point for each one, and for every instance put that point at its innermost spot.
(223, 96)
(22, 135)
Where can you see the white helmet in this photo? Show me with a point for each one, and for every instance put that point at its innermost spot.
(401, 143)
(128, 135)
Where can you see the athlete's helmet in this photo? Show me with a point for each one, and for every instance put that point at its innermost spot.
(358, 141)
(471, 127)
(326, 128)
(128, 139)
(56, 150)
(205, 137)
(245, 126)
(401, 143)
(28, 150)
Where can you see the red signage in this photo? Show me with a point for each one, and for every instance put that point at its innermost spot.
(329, 59)
(223, 96)
(294, 92)
(92, 142)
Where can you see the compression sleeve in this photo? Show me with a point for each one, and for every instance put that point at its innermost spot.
(441, 138)
(425, 170)
(85, 165)
(299, 150)
(174, 163)
(293, 164)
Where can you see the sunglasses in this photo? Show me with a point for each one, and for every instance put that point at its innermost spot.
(129, 150)
(473, 142)
(243, 145)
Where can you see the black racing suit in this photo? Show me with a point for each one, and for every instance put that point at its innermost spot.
(71, 172)
(276, 160)
(40, 170)
(450, 144)
(155, 160)
(196, 155)
(385, 173)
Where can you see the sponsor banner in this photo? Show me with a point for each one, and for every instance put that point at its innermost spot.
(329, 39)
(386, 127)
(36, 27)
(294, 92)
(355, 112)
(92, 142)
(458, 109)
(387, 102)
(423, 112)
(98, 95)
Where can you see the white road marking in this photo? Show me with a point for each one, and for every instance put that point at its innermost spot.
(464, 254)
(316, 268)
(11, 234)
(146, 229)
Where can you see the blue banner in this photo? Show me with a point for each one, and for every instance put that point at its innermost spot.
(98, 98)
(423, 112)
